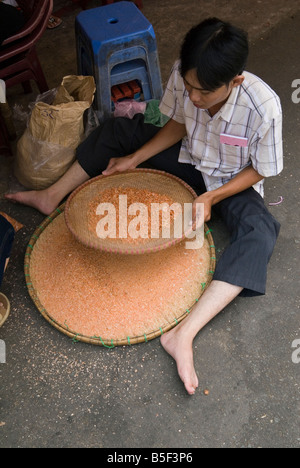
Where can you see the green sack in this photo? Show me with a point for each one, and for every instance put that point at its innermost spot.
(153, 115)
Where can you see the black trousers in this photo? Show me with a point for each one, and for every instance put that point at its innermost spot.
(7, 235)
(252, 228)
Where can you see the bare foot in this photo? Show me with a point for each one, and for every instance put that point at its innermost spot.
(39, 200)
(181, 350)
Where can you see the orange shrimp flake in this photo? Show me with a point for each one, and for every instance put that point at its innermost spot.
(113, 296)
(144, 220)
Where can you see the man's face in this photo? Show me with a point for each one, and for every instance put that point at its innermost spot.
(202, 98)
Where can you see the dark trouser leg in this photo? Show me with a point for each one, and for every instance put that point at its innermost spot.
(115, 138)
(254, 232)
(120, 137)
(7, 234)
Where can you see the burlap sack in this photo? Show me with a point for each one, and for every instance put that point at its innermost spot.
(47, 148)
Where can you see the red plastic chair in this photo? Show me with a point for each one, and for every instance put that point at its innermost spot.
(19, 62)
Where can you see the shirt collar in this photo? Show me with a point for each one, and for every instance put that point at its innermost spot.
(226, 111)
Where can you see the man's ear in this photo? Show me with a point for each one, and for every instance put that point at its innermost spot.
(237, 80)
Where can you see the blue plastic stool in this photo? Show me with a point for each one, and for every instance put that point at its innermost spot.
(117, 44)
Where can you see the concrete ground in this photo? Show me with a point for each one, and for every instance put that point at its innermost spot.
(55, 393)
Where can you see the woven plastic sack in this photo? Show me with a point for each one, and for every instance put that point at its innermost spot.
(47, 148)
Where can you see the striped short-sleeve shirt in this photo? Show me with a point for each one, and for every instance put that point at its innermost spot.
(246, 131)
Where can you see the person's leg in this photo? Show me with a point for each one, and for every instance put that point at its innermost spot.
(179, 341)
(47, 200)
(92, 158)
(254, 233)
(115, 138)
(242, 270)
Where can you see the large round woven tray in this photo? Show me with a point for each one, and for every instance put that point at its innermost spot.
(77, 208)
(41, 252)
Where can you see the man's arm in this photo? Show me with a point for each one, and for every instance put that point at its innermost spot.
(242, 181)
(169, 135)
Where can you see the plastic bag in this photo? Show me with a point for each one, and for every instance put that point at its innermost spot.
(128, 108)
(47, 148)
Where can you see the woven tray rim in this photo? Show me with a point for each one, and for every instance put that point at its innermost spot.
(129, 250)
(97, 340)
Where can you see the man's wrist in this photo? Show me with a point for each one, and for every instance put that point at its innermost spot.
(212, 196)
(138, 157)
(215, 196)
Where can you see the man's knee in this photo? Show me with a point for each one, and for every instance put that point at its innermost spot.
(248, 208)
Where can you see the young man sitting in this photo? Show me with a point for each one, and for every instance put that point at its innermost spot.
(223, 138)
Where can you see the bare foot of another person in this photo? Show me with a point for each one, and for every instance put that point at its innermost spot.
(176, 344)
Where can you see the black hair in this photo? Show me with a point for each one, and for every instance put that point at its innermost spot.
(217, 50)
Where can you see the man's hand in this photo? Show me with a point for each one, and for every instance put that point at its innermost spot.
(242, 181)
(207, 200)
(126, 163)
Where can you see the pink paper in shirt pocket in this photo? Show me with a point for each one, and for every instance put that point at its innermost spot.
(233, 140)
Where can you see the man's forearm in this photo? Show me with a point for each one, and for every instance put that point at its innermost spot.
(242, 181)
(239, 183)
(169, 135)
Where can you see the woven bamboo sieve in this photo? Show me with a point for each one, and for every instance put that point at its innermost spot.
(77, 206)
(108, 342)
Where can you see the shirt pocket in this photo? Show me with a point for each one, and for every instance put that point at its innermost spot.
(233, 158)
